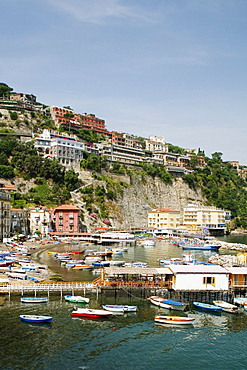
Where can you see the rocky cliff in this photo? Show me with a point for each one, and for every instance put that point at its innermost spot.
(130, 209)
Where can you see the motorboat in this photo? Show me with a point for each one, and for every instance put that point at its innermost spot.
(36, 319)
(207, 307)
(227, 307)
(90, 313)
(167, 303)
(119, 308)
(76, 299)
(34, 299)
(174, 320)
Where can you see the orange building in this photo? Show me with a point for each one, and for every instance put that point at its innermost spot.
(66, 218)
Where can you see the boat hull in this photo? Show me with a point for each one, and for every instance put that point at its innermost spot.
(167, 303)
(34, 300)
(174, 320)
(76, 299)
(87, 313)
(207, 307)
(119, 308)
(226, 307)
(36, 319)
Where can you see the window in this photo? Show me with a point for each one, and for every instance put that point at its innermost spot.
(209, 280)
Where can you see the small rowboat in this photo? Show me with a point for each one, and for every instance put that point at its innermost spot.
(34, 299)
(227, 307)
(119, 308)
(207, 307)
(89, 313)
(174, 320)
(76, 299)
(36, 319)
(240, 300)
(167, 303)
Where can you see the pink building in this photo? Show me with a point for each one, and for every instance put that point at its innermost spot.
(66, 218)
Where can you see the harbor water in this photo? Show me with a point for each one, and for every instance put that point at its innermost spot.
(128, 341)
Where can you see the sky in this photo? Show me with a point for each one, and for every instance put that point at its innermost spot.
(171, 68)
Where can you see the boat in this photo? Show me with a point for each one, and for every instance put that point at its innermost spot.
(167, 303)
(240, 300)
(90, 313)
(36, 319)
(207, 307)
(174, 320)
(119, 308)
(204, 247)
(76, 299)
(34, 299)
(227, 307)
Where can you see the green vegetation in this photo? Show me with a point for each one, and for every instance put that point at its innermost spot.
(5, 90)
(175, 149)
(53, 182)
(222, 187)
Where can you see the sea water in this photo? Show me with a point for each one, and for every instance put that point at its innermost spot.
(129, 341)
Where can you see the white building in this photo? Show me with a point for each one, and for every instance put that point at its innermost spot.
(40, 220)
(197, 217)
(67, 150)
(156, 143)
(199, 277)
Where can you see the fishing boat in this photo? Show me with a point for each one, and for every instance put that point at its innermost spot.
(167, 303)
(90, 313)
(119, 308)
(34, 299)
(227, 307)
(207, 307)
(76, 299)
(36, 319)
(174, 320)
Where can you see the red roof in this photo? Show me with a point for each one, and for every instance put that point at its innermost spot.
(167, 210)
(67, 207)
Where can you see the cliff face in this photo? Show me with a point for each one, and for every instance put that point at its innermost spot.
(130, 209)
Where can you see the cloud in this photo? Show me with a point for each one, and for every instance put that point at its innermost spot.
(99, 11)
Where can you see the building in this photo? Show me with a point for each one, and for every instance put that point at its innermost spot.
(29, 99)
(4, 211)
(199, 277)
(40, 220)
(156, 143)
(209, 218)
(66, 149)
(66, 218)
(163, 218)
(19, 221)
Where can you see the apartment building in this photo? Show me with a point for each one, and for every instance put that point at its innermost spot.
(66, 218)
(156, 143)
(163, 218)
(197, 217)
(66, 149)
(40, 220)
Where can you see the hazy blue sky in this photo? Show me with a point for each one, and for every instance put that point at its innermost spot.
(172, 68)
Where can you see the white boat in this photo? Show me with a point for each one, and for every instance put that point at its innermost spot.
(119, 308)
(240, 300)
(227, 307)
(90, 313)
(174, 320)
(34, 299)
(167, 303)
(76, 299)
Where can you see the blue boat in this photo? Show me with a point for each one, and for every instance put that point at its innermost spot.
(36, 319)
(34, 299)
(207, 307)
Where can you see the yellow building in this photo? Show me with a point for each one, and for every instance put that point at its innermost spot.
(163, 218)
(198, 216)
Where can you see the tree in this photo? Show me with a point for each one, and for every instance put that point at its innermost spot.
(5, 90)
